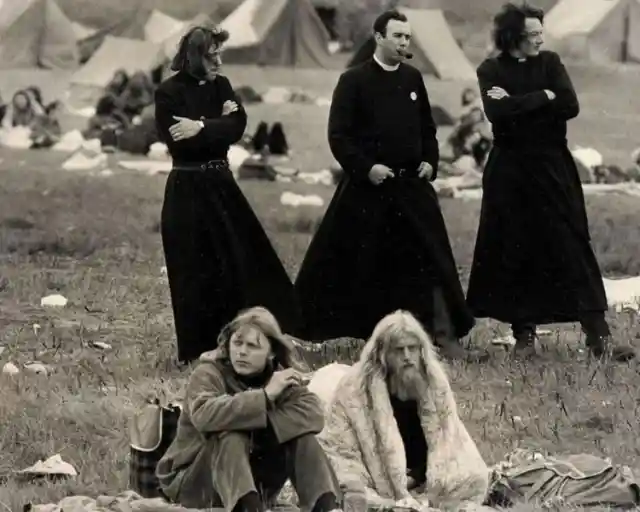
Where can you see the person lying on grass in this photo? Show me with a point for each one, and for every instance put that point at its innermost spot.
(393, 428)
(248, 425)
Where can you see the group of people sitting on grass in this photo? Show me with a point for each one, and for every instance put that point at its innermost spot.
(125, 119)
(249, 423)
(125, 114)
(387, 434)
(27, 110)
(471, 136)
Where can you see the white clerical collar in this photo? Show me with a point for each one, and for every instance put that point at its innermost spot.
(384, 66)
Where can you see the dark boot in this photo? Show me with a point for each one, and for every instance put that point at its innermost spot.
(602, 347)
(526, 341)
(600, 342)
(444, 337)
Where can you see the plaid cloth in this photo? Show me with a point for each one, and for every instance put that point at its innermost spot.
(142, 463)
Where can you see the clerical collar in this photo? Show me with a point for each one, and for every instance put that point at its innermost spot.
(518, 59)
(384, 66)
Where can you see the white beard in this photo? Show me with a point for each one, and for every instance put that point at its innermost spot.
(407, 384)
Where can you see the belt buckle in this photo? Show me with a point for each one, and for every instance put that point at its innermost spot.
(401, 172)
(210, 164)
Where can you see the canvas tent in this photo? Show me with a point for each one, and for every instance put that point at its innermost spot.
(36, 33)
(142, 23)
(115, 53)
(89, 45)
(159, 26)
(148, 25)
(595, 30)
(82, 31)
(435, 51)
(286, 33)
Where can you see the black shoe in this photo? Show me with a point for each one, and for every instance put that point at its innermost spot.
(526, 347)
(602, 348)
(524, 351)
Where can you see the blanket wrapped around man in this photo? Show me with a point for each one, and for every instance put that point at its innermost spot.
(363, 441)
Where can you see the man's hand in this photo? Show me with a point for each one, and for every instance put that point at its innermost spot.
(280, 381)
(550, 94)
(497, 93)
(379, 173)
(185, 128)
(412, 503)
(425, 170)
(229, 107)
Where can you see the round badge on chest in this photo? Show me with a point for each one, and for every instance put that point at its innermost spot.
(413, 96)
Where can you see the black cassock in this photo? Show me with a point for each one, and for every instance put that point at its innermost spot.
(533, 258)
(380, 248)
(219, 259)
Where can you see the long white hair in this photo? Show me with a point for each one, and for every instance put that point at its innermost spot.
(401, 325)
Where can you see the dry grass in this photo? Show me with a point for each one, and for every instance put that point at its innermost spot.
(607, 120)
(96, 242)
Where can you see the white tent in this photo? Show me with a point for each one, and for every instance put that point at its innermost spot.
(436, 52)
(82, 31)
(36, 33)
(434, 43)
(159, 26)
(115, 53)
(170, 43)
(287, 33)
(595, 30)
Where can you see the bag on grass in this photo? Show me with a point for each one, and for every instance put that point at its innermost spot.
(152, 429)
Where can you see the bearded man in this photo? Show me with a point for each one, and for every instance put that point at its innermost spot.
(393, 428)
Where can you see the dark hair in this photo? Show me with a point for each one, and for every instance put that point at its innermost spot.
(465, 93)
(55, 104)
(106, 105)
(193, 48)
(36, 92)
(121, 74)
(509, 23)
(381, 22)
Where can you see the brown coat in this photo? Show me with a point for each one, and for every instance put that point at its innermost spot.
(217, 402)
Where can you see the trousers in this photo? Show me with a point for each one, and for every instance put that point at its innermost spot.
(229, 468)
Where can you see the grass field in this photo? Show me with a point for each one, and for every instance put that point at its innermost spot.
(95, 240)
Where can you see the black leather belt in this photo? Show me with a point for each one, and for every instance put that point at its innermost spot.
(215, 165)
(403, 172)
